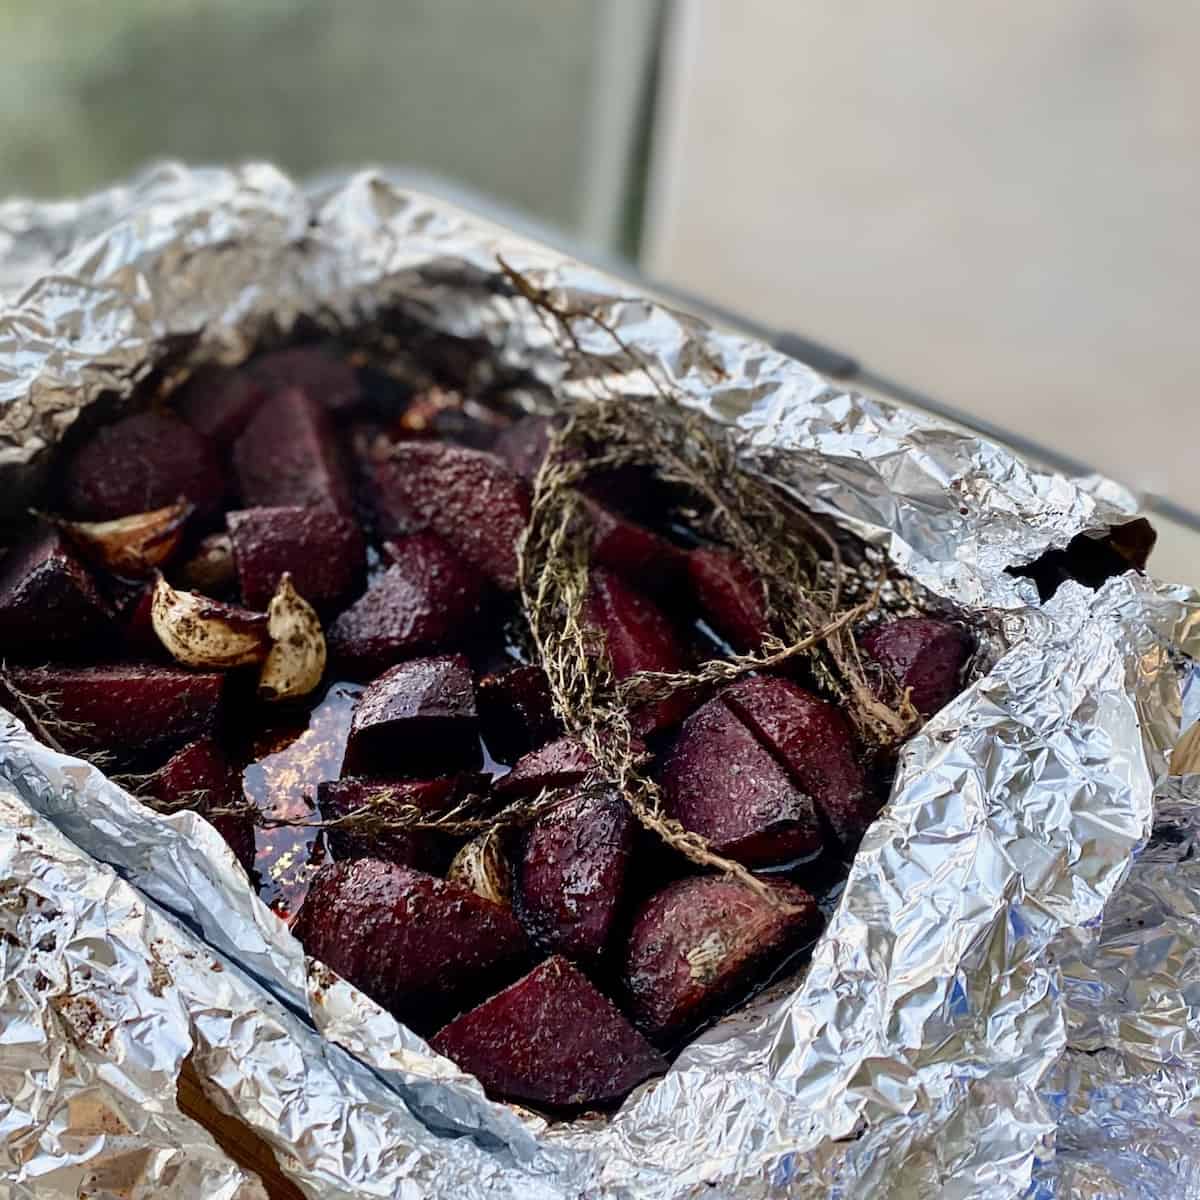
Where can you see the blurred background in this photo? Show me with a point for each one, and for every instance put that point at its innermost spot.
(993, 204)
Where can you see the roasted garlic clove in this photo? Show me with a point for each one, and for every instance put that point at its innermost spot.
(132, 546)
(482, 866)
(200, 632)
(296, 660)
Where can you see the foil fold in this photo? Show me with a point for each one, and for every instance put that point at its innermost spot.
(979, 1018)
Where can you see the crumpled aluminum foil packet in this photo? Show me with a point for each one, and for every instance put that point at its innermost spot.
(1007, 999)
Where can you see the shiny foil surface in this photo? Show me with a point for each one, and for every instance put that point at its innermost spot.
(1006, 1001)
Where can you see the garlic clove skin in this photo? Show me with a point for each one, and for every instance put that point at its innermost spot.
(134, 546)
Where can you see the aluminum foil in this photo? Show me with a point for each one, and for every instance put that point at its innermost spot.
(1005, 1001)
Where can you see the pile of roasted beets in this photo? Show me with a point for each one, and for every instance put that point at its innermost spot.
(210, 563)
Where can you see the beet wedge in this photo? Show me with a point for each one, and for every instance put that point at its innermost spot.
(321, 549)
(218, 402)
(288, 456)
(49, 604)
(142, 462)
(558, 764)
(516, 711)
(418, 718)
(417, 945)
(325, 377)
(719, 782)
(468, 497)
(406, 847)
(924, 655)
(730, 596)
(132, 712)
(814, 743)
(645, 559)
(572, 874)
(201, 777)
(429, 599)
(704, 941)
(637, 637)
(553, 1041)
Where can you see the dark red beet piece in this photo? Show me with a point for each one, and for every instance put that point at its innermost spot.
(551, 1040)
(702, 941)
(288, 455)
(648, 561)
(218, 402)
(516, 711)
(730, 596)
(200, 777)
(923, 654)
(814, 742)
(328, 379)
(410, 848)
(720, 783)
(638, 637)
(523, 445)
(322, 549)
(561, 763)
(141, 462)
(137, 626)
(467, 496)
(417, 945)
(48, 600)
(131, 710)
(417, 717)
(428, 600)
(572, 874)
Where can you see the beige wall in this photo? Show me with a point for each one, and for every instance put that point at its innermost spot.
(994, 201)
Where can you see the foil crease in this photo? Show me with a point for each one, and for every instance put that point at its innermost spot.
(1005, 1000)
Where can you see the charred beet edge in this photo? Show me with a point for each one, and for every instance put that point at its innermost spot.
(48, 601)
(201, 777)
(468, 497)
(416, 718)
(289, 455)
(342, 798)
(813, 742)
(572, 873)
(142, 462)
(553, 1040)
(429, 599)
(516, 711)
(130, 711)
(718, 781)
(416, 944)
(924, 655)
(703, 940)
(561, 763)
(321, 549)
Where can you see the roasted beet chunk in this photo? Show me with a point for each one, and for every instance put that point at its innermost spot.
(523, 445)
(730, 596)
(142, 462)
(638, 637)
(415, 944)
(813, 741)
(561, 763)
(702, 941)
(924, 655)
(551, 1040)
(288, 455)
(468, 497)
(328, 379)
(516, 711)
(218, 402)
(720, 783)
(131, 711)
(573, 871)
(48, 602)
(648, 561)
(428, 600)
(416, 718)
(200, 777)
(410, 848)
(322, 549)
